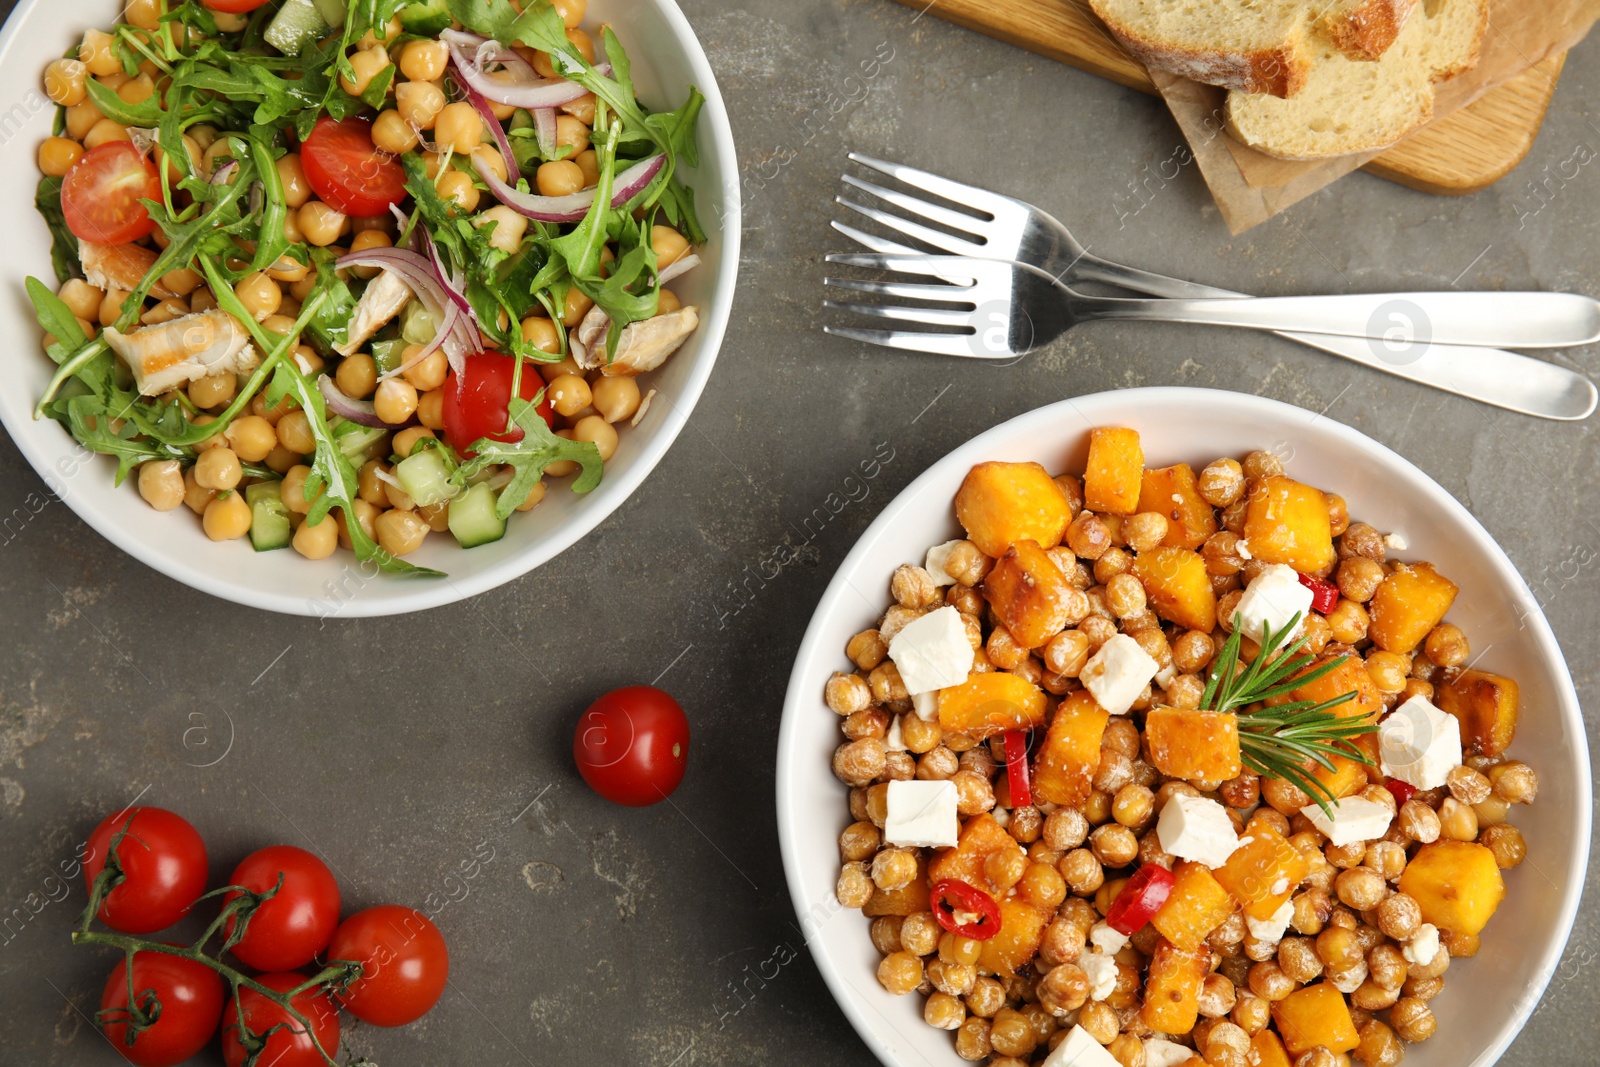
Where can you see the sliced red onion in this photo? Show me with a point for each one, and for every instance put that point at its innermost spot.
(446, 328)
(680, 267)
(451, 286)
(574, 206)
(224, 173)
(419, 276)
(515, 87)
(486, 113)
(544, 125)
(358, 411)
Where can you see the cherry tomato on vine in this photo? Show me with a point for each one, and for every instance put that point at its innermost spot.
(100, 194)
(632, 745)
(234, 7)
(190, 998)
(290, 928)
(288, 1047)
(163, 863)
(348, 172)
(479, 408)
(404, 964)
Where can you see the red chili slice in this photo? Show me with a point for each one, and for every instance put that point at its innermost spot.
(1403, 791)
(1140, 899)
(1017, 768)
(1324, 594)
(952, 895)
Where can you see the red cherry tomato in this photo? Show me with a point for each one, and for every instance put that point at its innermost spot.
(404, 964)
(632, 745)
(1140, 899)
(298, 922)
(100, 194)
(288, 1047)
(479, 408)
(163, 863)
(190, 995)
(348, 172)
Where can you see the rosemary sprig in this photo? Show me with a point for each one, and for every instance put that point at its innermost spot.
(1277, 741)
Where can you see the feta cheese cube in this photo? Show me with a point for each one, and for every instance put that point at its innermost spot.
(1080, 1050)
(1106, 939)
(894, 741)
(1423, 946)
(1396, 541)
(1354, 819)
(1118, 673)
(1419, 744)
(1102, 974)
(926, 705)
(1162, 1053)
(922, 814)
(1195, 828)
(932, 651)
(938, 556)
(1273, 598)
(1272, 928)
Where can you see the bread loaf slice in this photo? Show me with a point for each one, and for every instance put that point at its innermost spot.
(1252, 46)
(1354, 106)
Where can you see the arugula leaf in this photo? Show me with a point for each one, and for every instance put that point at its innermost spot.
(56, 319)
(63, 244)
(529, 457)
(89, 418)
(329, 327)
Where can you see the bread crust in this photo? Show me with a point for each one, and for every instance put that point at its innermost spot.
(1367, 30)
(1278, 71)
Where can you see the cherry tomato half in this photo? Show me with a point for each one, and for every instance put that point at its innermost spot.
(290, 1046)
(190, 995)
(347, 171)
(479, 408)
(404, 964)
(234, 7)
(632, 745)
(295, 924)
(163, 863)
(100, 194)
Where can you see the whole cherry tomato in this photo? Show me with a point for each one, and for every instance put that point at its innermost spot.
(479, 408)
(100, 194)
(290, 1046)
(163, 864)
(291, 927)
(632, 745)
(348, 172)
(404, 964)
(189, 996)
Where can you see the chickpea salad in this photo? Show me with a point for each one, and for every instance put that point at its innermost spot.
(389, 260)
(1158, 769)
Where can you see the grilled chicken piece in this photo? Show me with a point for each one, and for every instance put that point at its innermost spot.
(119, 267)
(384, 297)
(643, 346)
(173, 353)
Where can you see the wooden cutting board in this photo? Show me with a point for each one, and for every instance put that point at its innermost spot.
(1463, 153)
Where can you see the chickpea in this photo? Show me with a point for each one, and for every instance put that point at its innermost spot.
(1418, 821)
(418, 103)
(392, 133)
(161, 483)
(1412, 1019)
(98, 54)
(394, 401)
(424, 61)
(1133, 806)
(1081, 870)
(65, 82)
(900, 972)
(1268, 981)
(1298, 959)
(104, 132)
(944, 1011)
(294, 433)
(859, 762)
(854, 889)
(1361, 888)
(1379, 1046)
(399, 532)
(598, 431)
(365, 65)
(430, 409)
(1514, 781)
(226, 517)
(972, 1039)
(57, 155)
(919, 933)
(320, 224)
(1457, 821)
(456, 186)
(458, 126)
(357, 376)
(560, 177)
(615, 398)
(136, 90)
(218, 468)
(1347, 622)
(251, 437)
(1504, 840)
(1447, 646)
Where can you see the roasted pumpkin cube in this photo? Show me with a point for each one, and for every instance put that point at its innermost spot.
(909, 898)
(1029, 594)
(1487, 706)
(1197, 745)
(1287, 522)
(1263, 872)
(1350, 676)
(1411, 600)
(1315, 1015)
(980, 837)
(1172, 989)
(991, 703)
(1457, 884)
(1000, 504)
(1266, 1050)
(1175, 493)
(1347, 776)
(1197, 905)
(1115, 473)
(1017, 942)
(1064, 771)
(1178, 586)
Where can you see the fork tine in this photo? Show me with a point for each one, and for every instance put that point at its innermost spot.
(916, 231)
(877, 244)
(926, 316)
(961, 273)
(942, 215)
(948, 294)
(938, 344)
(954, 191)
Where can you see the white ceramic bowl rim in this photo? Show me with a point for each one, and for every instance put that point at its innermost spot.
(804, 687)
(47, 446)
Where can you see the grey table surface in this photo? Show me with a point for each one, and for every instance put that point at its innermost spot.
(399, 747)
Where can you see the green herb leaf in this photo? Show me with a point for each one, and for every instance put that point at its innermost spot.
(529, 457)
(63, 244)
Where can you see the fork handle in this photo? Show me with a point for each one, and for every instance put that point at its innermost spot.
(1490, 375)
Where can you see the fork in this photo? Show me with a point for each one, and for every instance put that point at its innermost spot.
(1016, 230)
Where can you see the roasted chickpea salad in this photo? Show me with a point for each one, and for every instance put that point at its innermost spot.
(390, 261)
(1163, 769)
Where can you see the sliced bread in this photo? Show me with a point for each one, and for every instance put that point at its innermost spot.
(1351, 106)
(1252, 46)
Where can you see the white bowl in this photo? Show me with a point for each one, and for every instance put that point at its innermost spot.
(666, 60)
(1487, 999)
